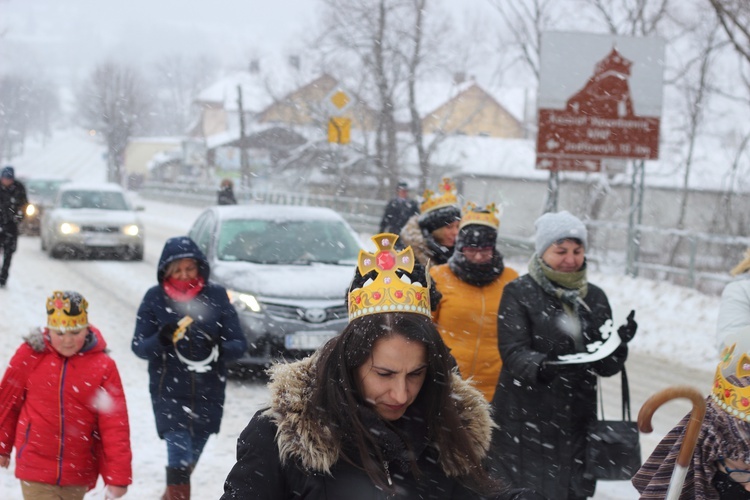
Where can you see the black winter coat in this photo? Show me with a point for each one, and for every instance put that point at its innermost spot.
(282, 454)
(397, 212)
(542, 423)
(13, 202)
(182, 398)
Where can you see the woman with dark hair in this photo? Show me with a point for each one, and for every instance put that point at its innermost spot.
(378, 412)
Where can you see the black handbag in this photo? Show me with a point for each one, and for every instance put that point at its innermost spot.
(613, 448)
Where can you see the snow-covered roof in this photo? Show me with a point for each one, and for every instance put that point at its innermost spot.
(255, 95)
(275, 212)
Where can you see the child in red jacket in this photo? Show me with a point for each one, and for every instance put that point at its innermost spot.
(63, 408)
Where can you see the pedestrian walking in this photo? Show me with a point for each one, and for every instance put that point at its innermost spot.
(187, 329)
(376, 412)
(225, 195)
(12, 205)
(543, 409)
(719, 467)
(63, 408)
(432, 233)
(471, 285)
(398, 210)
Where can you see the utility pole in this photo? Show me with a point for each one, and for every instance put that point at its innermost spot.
(244, 163)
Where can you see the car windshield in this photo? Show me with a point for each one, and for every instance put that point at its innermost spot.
(286, 242)
(42, 189)
(103, 200)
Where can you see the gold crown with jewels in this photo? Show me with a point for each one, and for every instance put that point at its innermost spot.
(730, 397)
(445, 197)
(486, 216)
(388, 292)
(67, 311)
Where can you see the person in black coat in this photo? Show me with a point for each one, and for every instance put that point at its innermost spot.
(186, 359)
(399, 210)
(377, 412)
(225, 195)
(543, 409)
(12, 205)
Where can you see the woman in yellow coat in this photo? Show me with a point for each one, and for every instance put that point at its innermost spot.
(472, 284)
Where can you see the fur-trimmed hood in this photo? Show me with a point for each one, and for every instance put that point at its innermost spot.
(313, 444)
(411, 235)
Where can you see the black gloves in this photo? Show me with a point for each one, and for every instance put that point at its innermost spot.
(166, 334)
(548, 371)
(627, 331)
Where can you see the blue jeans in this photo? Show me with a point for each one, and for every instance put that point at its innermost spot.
(184, 448)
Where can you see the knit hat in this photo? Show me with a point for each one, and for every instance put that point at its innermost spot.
(553, 227)
(67, 311)
(8, 173)
(439, 209)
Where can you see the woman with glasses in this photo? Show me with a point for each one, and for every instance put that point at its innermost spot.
(471, 284)
(720, 466)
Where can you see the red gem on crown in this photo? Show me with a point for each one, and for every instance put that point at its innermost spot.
(386, 261)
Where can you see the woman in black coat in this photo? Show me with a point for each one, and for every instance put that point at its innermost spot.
(186, 363)
(377, 413)
(543, 409)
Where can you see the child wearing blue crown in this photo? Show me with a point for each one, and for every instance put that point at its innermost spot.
(63, 409)
(377, 411)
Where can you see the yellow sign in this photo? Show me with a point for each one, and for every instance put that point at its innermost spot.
(340, 99)
(339, 129)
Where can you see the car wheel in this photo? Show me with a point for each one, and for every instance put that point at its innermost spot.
(44, 243)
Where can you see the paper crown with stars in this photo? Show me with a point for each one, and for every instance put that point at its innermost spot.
(485, 216)
(445, 197)
(731, 388)
(388, 292)
(67, 311)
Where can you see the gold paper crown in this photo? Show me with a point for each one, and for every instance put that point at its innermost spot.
(731, 398)
(446, 198)
(387, 292)
(486, 216)
(63, 314)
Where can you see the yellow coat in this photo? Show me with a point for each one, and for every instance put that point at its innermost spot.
(467, 320)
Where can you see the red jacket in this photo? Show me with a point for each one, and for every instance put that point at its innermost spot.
(66, 417)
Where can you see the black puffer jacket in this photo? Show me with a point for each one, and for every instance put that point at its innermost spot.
(542, 422)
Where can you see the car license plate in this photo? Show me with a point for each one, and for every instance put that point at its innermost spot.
(307, 341)
(101, 241)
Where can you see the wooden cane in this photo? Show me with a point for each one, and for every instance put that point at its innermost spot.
(684, 458)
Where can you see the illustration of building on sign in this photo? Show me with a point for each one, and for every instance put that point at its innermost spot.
(607, 93)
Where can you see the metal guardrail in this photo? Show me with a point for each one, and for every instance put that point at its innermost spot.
(608, 239)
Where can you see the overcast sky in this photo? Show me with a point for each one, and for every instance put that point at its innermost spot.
(63, 38)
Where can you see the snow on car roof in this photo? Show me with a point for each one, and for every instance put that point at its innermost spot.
(91, 186)
(275, 212)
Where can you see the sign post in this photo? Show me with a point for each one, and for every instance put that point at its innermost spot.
(339, 127)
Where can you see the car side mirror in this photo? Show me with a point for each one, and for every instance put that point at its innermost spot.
(140, 209)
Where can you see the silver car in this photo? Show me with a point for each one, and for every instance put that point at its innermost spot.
(92, 219)
(287, 270)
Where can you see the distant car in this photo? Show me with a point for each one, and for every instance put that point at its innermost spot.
(41, 194)
(286, 268)
(92, 220)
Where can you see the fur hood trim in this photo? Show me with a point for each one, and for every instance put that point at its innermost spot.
(315, 446)
(411, 235)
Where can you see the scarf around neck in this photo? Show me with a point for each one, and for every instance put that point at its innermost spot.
(570, 288)
(476, 274)
(183, 291)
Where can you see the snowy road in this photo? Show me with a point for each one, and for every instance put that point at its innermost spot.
(114, 290)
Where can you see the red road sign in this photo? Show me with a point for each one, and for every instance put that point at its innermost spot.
(577, 164)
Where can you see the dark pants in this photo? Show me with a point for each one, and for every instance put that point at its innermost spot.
(8, 243)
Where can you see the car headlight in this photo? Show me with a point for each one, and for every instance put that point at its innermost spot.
(69, 228)
(30, 210)
(131, 230)
(244, 301)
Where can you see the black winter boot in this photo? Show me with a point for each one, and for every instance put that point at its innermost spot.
(178, 483)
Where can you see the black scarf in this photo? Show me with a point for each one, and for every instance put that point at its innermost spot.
(477, 274)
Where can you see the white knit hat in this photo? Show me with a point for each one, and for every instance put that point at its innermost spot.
(552, 227)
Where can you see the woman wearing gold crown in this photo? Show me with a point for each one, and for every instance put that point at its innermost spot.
(720, 464)
(377, 412)
(471, 284)
(432, 233)
(543, 408)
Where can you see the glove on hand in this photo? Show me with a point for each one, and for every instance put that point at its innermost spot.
(166, 334)
(627, 331)
(548, 371)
